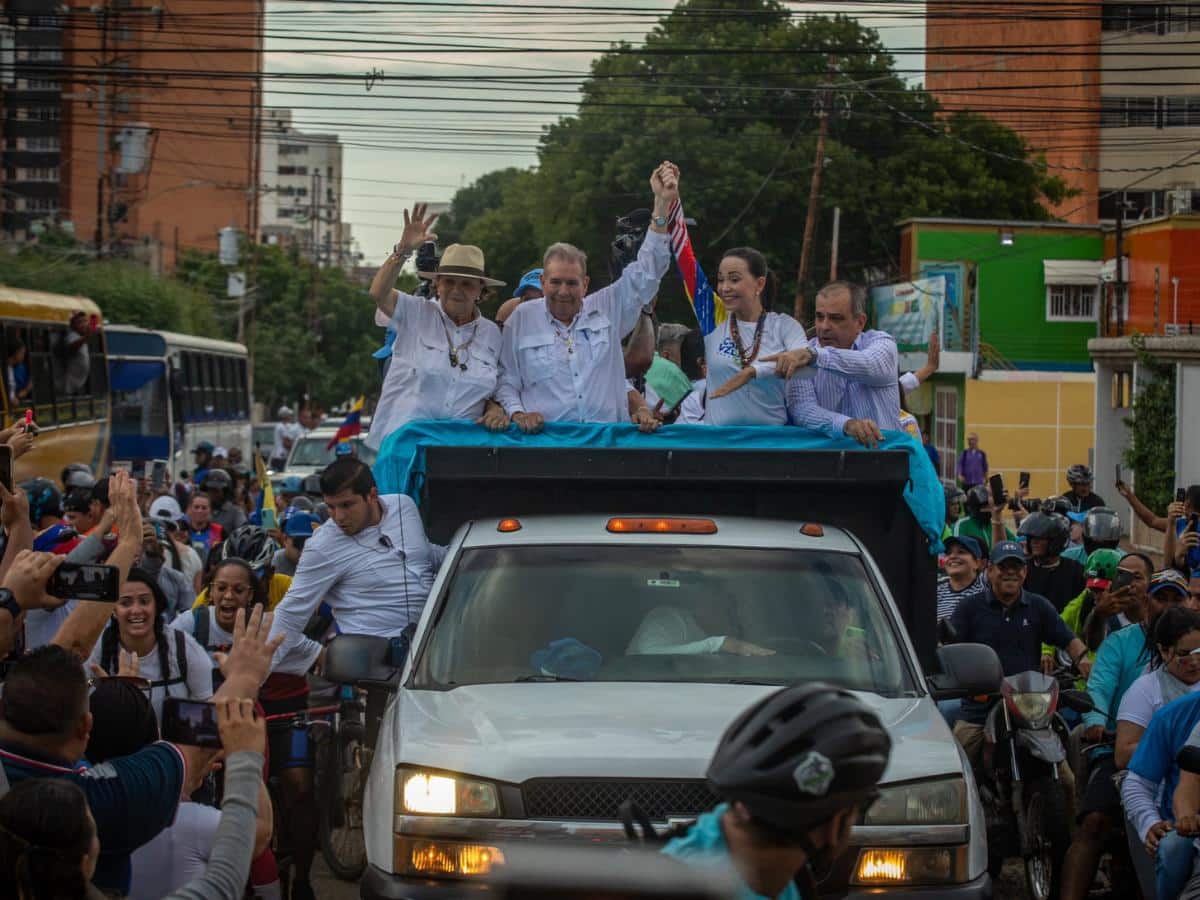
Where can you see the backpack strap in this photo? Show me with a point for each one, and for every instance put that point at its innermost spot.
(201, 619)
(181, 661)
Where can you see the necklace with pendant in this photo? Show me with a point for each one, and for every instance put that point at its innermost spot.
(458, 355)
(743, 357)
(566, 336)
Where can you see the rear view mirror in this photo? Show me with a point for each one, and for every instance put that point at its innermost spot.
(1189, 759)
(362, 659)
(967, 670)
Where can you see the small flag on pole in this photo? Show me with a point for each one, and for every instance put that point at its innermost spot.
(267, 496)
(351, 425)
(710, 311)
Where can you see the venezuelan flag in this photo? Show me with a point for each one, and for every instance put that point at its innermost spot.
(710, 311)
(266, 498)
(351, 425)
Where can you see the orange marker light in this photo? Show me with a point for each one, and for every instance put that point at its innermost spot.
(508, 525)
(662, 526)
(812, 529)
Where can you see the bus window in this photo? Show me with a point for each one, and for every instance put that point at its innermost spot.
(18, 379)
(192, 403)
(224, 379)
(99, 377)
(42, 372)
(243, 394)
(208, 385)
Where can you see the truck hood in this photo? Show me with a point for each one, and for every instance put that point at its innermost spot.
(514, 732)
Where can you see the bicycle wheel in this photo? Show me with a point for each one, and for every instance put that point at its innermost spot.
(343, 779)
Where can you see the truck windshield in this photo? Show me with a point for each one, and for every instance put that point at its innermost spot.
(663, 613)
(315, 451)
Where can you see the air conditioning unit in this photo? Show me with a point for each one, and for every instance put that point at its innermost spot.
(1179, 200)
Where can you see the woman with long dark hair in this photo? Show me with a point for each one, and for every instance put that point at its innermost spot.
(48, 843)
(741, 353)
(137, 642)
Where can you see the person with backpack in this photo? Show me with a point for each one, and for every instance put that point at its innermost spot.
(795, 772)
(137, 642)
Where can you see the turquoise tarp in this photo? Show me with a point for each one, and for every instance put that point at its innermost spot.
(401, 462)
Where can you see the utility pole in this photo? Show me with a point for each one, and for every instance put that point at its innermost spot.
(833, 251)
(101, 128)
(824, 102)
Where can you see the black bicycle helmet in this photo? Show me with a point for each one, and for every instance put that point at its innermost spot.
(1079, 474)
(44, 499)
(1102, 526)
(1056, 506)
(800, 755)
(977, 498)
(251, 543)
(1054, 528)
(216, 478)
(954, 494)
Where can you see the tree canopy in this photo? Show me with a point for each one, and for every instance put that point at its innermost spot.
(742, 127)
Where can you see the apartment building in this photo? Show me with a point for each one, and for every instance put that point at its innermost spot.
(1107, 91)
(300, 201)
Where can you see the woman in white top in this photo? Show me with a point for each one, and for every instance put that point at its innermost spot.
(445, 356)
(1173, 672)
(746, 375)
(136, 642)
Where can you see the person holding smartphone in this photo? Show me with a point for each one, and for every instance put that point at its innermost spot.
(1183, 530)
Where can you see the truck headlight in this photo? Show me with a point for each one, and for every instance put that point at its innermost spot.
(910, 866)
(429, 793)
(939, 802)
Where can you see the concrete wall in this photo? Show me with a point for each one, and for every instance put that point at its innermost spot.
(1187, 427)
(1036, 422)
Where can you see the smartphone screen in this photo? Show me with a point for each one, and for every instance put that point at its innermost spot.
(996, 482)
(1118, 476)
(190, 722)
(139, 469)
(1024, 480)
(6, 467)
(1180, 495)
(158, 474)
(85, 581)
(1123, 580)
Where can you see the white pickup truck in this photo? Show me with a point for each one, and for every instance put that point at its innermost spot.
(567, 663)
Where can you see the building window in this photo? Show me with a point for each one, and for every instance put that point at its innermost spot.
(1129, 112)
(285, 213)
(945, 431)
(292, 170)
(1181, 112)
(292, 149)
(1070, 303)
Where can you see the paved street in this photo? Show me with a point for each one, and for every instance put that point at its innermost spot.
(329, 888)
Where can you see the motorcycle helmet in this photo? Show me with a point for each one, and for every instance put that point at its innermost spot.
(800, 755)
(1102, 528)
(217, 479)
(1101, 568)
(1054, 528)
(978, 498)
(44, 499)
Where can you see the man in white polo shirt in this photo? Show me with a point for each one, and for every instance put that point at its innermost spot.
(371, 562)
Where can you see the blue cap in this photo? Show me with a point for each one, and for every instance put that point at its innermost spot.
(531, 279)
(344, 448)
(204, 447)
(1007, 550)
(566, 658)
(291, 484)
(1077, 516)
(968, 543)
(301, 524)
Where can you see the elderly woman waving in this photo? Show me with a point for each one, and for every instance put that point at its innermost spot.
(444, 359)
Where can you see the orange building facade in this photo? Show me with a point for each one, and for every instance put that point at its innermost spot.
(161, 124)
(1163, 260)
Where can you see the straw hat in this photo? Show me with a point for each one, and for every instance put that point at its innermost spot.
(462, 259)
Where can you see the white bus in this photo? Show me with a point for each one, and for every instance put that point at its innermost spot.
(171, 391)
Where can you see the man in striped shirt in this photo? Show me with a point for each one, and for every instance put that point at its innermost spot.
(962, 576)
(855, 392)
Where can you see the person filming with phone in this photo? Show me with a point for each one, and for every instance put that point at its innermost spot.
(1182, 545)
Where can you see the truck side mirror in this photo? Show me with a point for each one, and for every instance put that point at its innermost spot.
(1189, 759)
(363, 660)
(967, 670)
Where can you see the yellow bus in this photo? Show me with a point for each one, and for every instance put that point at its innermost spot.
(64, 382)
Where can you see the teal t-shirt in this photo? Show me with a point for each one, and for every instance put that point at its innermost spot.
(705, 845)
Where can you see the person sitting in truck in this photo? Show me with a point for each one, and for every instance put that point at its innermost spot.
(854, 392)
(675, 630)
(561, 357)
(794, 772)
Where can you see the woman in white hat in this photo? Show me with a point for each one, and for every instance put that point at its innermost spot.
(445, 356)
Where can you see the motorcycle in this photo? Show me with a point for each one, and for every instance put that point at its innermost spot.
(1025, 803)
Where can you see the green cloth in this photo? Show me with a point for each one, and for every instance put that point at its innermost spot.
(968, 527)
(668, 381)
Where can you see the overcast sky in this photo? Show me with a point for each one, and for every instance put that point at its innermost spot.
(407, 141)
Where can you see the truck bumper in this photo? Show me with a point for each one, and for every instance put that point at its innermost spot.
(379, 885)
(979, 889)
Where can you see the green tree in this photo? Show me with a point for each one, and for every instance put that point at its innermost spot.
(1151, 451)
(742, 127)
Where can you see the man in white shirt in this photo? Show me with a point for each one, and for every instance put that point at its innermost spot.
(561, 358)
(371, 562)
(854, 392)
(287, 429)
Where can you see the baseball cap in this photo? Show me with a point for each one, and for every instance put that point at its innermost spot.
(221, 452)
(1167, 579)
(166, 508)
(1007, 550)
(968, 543)
(301, 524)
(203, 447)
(291, 484)
(284, 411)
(531, 279)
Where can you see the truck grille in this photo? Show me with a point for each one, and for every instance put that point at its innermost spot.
(567, 798)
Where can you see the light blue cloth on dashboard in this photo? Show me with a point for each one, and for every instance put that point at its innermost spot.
(401, 463)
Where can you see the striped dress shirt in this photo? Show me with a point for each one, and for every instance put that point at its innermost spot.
(859, 383)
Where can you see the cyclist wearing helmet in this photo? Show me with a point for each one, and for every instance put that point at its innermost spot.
(1101, 531)
(1080, 496)
(218, 485)
(1058, 580)
(254, 545)
(982, 522)
(795, 772)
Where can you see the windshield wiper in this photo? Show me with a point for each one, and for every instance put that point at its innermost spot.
(545, 678)
(772, 681)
